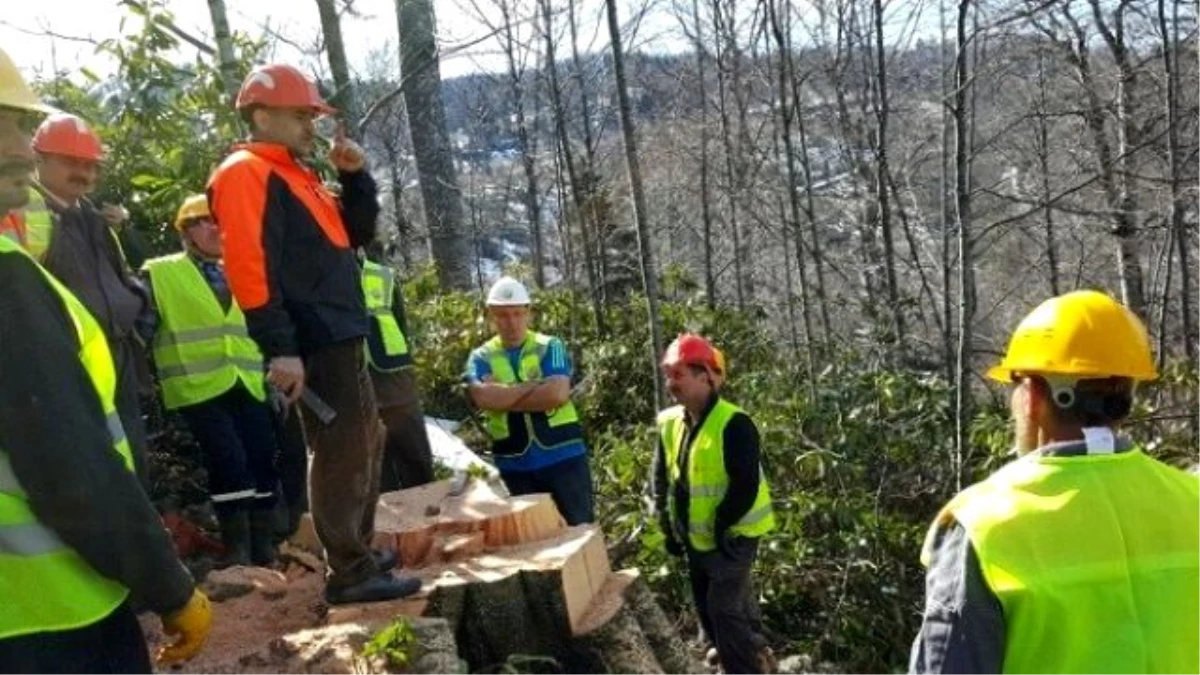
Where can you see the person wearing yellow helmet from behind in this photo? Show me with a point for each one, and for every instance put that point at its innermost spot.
(1083, 554)
(79, 540)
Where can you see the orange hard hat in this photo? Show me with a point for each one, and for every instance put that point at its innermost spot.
(68, 135)
(281, 86)
(693, 350)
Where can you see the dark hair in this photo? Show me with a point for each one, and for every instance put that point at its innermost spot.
(1094, 403)
(247, 115)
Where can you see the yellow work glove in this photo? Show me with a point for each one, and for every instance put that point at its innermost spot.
(190, 625)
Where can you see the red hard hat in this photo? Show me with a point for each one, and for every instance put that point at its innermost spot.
(692, 350)
(281, 86)
(68, 135)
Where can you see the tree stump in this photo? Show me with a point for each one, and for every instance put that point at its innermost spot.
(516, 587)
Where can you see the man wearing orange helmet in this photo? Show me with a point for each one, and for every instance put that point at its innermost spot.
(289, 256)
(64, 231)
(1083, 554)
(713, 501)
(80, 543)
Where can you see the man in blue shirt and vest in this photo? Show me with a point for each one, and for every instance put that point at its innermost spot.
(211, 372)
(521, 380)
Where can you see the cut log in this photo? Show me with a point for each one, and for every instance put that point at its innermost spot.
(517, 588)
(424, 523)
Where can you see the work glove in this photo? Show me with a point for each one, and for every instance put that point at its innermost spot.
(190, 625)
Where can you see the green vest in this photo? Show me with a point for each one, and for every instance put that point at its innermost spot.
(44, 584)
(200, 349)
(514, 432)
(1095, 561)
(387, 347)
(707, 480)
(38, 223)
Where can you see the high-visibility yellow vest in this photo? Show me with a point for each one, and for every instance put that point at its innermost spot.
(707, 480)
(387, 346)
(200, 350)
(44, 584)
(513, 433)
(1095, 560)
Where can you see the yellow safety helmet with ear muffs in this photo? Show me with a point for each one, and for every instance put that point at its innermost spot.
(1078, 336)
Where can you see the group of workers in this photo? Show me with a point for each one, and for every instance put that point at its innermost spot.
(1083, 554)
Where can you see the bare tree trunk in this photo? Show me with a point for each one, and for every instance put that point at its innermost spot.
(710, 279)
(1117, 176)
(578, 199)
(721, 33)
(440, 193)
(966, 271)
(946, 216)
(532, 202)
(882, 189)
(649, 280)
(226, 61)
(786, 113)
(1042, 145)
(1178, 195)
(343, 97)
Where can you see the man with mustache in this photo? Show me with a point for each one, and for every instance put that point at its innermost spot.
(289, 258)
(80, 542)
(72, 238)
(713, 502)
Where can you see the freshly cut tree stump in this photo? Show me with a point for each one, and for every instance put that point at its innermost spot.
(511, 579)
(426, 524)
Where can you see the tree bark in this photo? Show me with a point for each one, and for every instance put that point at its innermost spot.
(962, 216)
(343, 98)
(431, 143)
(649, 278)
(226, 60)
(533, 210)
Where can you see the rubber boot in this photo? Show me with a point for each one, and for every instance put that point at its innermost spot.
(235, 535)
(262, 537)
(382, 586)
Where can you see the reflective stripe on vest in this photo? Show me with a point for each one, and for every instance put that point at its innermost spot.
(707, 480)
(1095, 561)
(387, 348)
(513, 433)
(200, 349)
(44, 584)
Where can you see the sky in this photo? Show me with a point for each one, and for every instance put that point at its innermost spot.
(80, 23)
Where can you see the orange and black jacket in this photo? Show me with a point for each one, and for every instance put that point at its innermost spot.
(289, 248)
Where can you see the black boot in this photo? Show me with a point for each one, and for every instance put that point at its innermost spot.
(262, 537)
(235, 535)
(382, 586)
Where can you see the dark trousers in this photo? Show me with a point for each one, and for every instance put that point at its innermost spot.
(236, 434)
(344, 480)
(569, 482)
(407, 457)
(114, 644)
(726, 605)
(292, 462)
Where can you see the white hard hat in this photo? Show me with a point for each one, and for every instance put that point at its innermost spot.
(508, 292)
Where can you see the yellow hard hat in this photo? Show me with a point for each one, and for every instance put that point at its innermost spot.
(15, 92)
(195, 206)
(1080, 335)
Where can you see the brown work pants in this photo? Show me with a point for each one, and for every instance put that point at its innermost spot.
(344, 478)
(407, 457)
